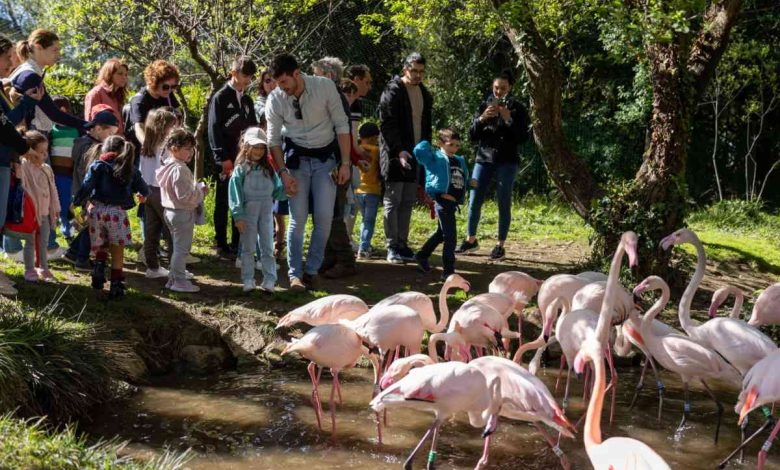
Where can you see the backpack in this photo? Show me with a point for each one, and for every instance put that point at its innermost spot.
(21, 219)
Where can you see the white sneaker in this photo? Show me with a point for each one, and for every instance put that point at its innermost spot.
(191, 259)
(250, 286)
(189, 275)
(156, 273)
(184, 286)
(55, 254)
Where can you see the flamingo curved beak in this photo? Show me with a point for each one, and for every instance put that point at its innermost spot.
(749, 402)
(667, 242)
(713, 310)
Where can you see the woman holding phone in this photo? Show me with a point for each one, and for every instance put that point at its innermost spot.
(499, 127)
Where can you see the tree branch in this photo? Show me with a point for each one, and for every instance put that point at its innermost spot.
(710, 43)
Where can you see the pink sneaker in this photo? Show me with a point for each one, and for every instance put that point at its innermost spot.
(31, 276)
(46, 275)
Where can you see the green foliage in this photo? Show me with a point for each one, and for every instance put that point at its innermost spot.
(49, 366)
(27, 444)
(735, 214)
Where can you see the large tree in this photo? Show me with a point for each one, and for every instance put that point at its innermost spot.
(677, 43)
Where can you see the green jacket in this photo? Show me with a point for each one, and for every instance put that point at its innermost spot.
(236, 190)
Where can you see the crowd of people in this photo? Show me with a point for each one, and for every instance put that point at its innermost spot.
(301, 147)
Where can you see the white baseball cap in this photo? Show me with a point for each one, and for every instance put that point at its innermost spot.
(255, 136)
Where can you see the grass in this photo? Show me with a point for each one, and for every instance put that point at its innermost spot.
(27, 444)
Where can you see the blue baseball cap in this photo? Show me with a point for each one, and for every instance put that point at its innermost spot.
(106, 118)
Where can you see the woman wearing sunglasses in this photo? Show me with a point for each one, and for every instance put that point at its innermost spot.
(162, 79)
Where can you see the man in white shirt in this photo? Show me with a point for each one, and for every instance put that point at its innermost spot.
(309, 139)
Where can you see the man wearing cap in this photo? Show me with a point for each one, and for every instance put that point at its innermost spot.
(231, 111)
(308, 134)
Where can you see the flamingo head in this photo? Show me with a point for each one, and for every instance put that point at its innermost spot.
(718, 297)
(648, 283)
(589, 351)
(679, 237)
(456, 280)
(750, 402)
(630, 243)
(400, 368)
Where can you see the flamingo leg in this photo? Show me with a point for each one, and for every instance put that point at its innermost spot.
(566, 389)
(519, 328)
(410, 459)
(686, 408)
(489, 430)
(767, 424)
(560, 372)
(613, 382)
(333, 403)
(720, 409)
(315, 395)
(554, 445)
(585, 384)
(338, 392)
(639, 384)
(767, 445)
(432, 454)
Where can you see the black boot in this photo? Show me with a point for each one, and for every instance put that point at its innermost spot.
(98, 275)
(117, 289)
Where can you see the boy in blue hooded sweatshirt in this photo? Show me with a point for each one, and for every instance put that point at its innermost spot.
(445, 181)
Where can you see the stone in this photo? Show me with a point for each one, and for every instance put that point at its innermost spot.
(203, 359)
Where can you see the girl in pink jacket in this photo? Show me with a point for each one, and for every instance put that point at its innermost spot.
(180, 198)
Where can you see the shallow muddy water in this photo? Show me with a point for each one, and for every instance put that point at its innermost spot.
(264, 420)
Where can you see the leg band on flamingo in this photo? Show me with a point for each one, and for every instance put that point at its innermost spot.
(767, 424)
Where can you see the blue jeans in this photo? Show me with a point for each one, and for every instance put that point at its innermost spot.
(446, 232)
(258, 234)
(368, 205)
(63, 184)
(505, 179)
(312, 175)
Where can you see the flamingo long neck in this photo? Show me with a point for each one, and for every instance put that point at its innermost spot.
(444, 310)
(607, 305)
(592, 430)
(646, 328)
(739, 297)
(535, 344)
(684, 311)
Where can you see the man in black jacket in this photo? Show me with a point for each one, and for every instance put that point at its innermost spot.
(231, 111)
(405, 119)
(499, 127)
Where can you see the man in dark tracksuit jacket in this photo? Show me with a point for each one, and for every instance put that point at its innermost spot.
(230, 113)
(405, 120)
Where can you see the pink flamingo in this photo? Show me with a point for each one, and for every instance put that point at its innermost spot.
(505, 305)
(512, 282)
(325, 310)
(481, 326)
(400, 368)
(741, 344)
(591, 296)
(616, 453)
(720, 296)
(550, 314)
(766, 310)
(335, 347)
(526, 398)
(761, 387)
(682, 355)
(423, 305)
(445, 389)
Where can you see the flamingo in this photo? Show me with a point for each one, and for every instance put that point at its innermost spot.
(400, 368)
(590, 297)
(480, 326)
(526, 398)
(682, 355)
(766, 310)
(445, 389)
(559, 303)
(761, 387)
(575, 327)
(720, 296)
(741, 344)
(336, 347)
(325, 310)
(559, 285)
(389, 327)
(616, 453)
(423, 305)
(511, 282)
(505, 305)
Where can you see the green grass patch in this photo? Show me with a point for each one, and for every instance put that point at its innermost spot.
(27, 444)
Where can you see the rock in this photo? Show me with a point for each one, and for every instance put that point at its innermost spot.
(197, 334)
(205, 359)
(132, 367)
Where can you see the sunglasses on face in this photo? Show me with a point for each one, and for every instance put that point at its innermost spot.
(168, 86)
(297, 106)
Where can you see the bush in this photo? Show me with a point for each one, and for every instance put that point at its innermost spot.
(49, 366)
(734, 214)
(26, 444)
